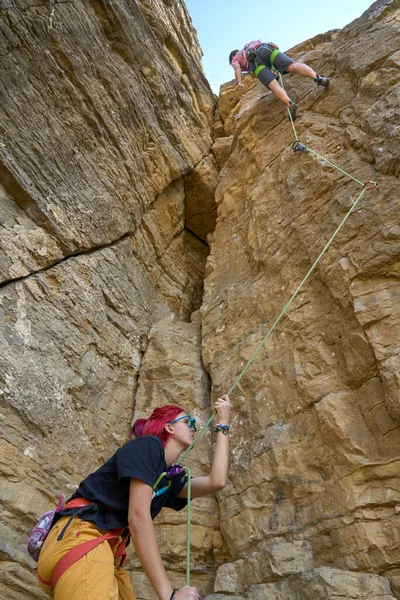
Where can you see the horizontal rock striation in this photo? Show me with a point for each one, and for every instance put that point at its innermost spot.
(148, 241)
(102, 106)
(105, 115)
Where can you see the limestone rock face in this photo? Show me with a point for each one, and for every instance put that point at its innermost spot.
(316, 438)
(200, 185)
(122, 107)
(325, 583)
(133, 274)
(319, 584)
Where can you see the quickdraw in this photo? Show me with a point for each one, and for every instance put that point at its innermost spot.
(297, 146)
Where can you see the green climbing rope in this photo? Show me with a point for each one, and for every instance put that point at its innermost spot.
(283, 311)
(369, 185)
(366, 186)
(308, 149)
(188, 526)
(333, 165)
(290, 114)
(188, 535)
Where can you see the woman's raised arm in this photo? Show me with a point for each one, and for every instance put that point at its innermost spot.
(217, 478)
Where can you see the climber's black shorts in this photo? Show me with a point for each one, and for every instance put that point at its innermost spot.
(281, 63)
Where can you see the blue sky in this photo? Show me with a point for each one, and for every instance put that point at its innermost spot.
(223, 25)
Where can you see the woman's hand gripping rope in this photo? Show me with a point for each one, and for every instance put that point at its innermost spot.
(186, 593)
(222, 407)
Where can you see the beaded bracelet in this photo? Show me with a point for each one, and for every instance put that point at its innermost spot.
(221, 427)
(173, 595)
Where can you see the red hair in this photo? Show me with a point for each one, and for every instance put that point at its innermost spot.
(155, 424)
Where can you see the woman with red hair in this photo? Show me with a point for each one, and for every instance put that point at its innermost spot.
(82, 556)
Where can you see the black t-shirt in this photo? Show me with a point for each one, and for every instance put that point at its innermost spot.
(108, 487)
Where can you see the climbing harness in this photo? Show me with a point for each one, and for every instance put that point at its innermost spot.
(259, 69)
(81, 550)
(251, 54)
(78, 505)
(272, 58)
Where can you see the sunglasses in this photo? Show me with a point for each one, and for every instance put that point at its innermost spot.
(191, 421)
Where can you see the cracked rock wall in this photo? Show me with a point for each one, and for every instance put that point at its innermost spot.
(312, 506)
(105, 119)
(107, 210)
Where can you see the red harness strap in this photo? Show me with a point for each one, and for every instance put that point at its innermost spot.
(81, 550)
(121, 551)
(77, 503)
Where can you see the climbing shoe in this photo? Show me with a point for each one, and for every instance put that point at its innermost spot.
(293, 110)
(322, 80)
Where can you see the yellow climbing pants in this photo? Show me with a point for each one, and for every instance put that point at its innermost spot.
(93, 577)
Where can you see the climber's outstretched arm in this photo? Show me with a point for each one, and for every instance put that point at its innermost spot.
(217, 478)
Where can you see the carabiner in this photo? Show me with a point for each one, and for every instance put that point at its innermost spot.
(297, 146)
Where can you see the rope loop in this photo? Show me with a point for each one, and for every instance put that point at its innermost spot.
(370, 185)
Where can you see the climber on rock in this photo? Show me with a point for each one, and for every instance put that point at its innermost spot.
(121, 499)
(259, 58)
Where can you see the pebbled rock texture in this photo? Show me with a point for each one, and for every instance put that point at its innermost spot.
(104, 111)
(132, 274)
(110, 106)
